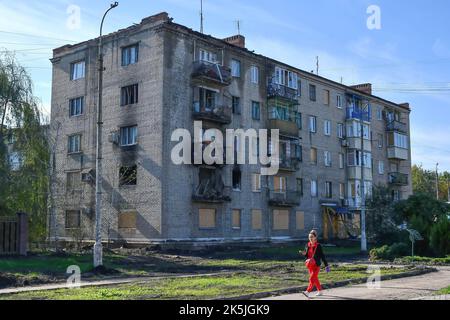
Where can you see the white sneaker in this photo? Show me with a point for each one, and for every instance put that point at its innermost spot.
(306, 294)
(319, 294)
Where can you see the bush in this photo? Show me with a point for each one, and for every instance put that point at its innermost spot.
(440, 237)
(389, 252)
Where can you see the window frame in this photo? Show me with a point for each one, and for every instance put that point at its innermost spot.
(129, 56)
(73, 69)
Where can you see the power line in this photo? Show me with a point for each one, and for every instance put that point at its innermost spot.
(35, 36)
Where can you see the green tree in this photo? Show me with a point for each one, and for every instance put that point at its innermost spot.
(23, 188)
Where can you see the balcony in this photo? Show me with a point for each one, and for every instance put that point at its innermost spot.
(212, 73)
(353, 203)
(203, 163)
(396, 153)
(275, 90)
(287, 122)
(289, 164)
(397, 126)
(284, 198)
(219, 114)
(205, 194)
(398, 179)
(358, 114)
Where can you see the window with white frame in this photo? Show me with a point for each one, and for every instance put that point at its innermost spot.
(379, 114)
(128, 136)
(381, 167)
(77, 70)
(207, 56)
(341, 161)
(340, 130)
(339, 101)
(279, 184)
(235, 68)
(396, 139)
(327, 158)
(313, 188)
(74, 143)
(254, 73)
(256, 182)
(354, 158)
(286, 78)
(76, 106)
(312, 124)
(342, 190)
(327, 127)
(354, 130)
(130, 55)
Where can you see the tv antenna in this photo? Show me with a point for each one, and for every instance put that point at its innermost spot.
(238, 25)
(201, 16)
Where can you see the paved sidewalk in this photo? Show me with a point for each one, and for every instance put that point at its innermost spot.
(418, 287)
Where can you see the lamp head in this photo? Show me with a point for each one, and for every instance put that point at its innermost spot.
(115, 4)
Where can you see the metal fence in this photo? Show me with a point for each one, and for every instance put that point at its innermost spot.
(14, 235)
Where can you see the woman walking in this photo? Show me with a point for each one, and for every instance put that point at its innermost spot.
(314, 256)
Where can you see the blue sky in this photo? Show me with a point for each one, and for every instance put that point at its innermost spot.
(407, 60)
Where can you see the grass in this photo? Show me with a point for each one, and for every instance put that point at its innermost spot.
(209, 287)
(444, 291)
(424, 260)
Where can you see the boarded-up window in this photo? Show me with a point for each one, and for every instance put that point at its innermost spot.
(256, 219)
(300, 220)
(73, 219)
(279, 184)
(280, 220)
(326, 97)
(127, 220)
(236, 219)
(313, 155)
(73, 181)
(207, 218)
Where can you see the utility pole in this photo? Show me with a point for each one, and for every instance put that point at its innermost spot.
(98, 249)
(363, 189)
(437, 181)
(448, 187)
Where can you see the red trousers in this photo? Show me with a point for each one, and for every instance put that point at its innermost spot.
(314, 279)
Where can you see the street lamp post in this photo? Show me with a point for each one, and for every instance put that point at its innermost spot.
(98, 249)
(363, 187)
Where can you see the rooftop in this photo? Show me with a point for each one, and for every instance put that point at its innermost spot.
(237, 42)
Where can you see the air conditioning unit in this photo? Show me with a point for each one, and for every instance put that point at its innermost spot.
(344, 143)
(114, 137)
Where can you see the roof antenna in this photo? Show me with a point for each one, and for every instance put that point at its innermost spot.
(201, 16)
(317, 65)
(238, 23)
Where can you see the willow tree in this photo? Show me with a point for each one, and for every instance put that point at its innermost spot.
(23, 187)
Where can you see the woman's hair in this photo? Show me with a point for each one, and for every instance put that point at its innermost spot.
(314, 233)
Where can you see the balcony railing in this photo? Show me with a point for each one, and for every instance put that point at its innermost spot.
(221, 114)
(280, 198)
(213, 72)
(211, 195)
(396, 126)
(398, 179)
(289, 163)
(359, 114)
(275, 90)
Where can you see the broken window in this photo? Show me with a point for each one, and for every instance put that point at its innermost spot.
(129, 95)
(128, 176)
(236, 104)
(73, 219)
(73, 182)
(312, 92)
(237, 178)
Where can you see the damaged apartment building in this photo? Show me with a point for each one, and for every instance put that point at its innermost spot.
(161, 76)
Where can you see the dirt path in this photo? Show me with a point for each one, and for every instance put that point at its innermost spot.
(418, 287)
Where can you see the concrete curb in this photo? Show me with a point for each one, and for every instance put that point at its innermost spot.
(344, 283)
